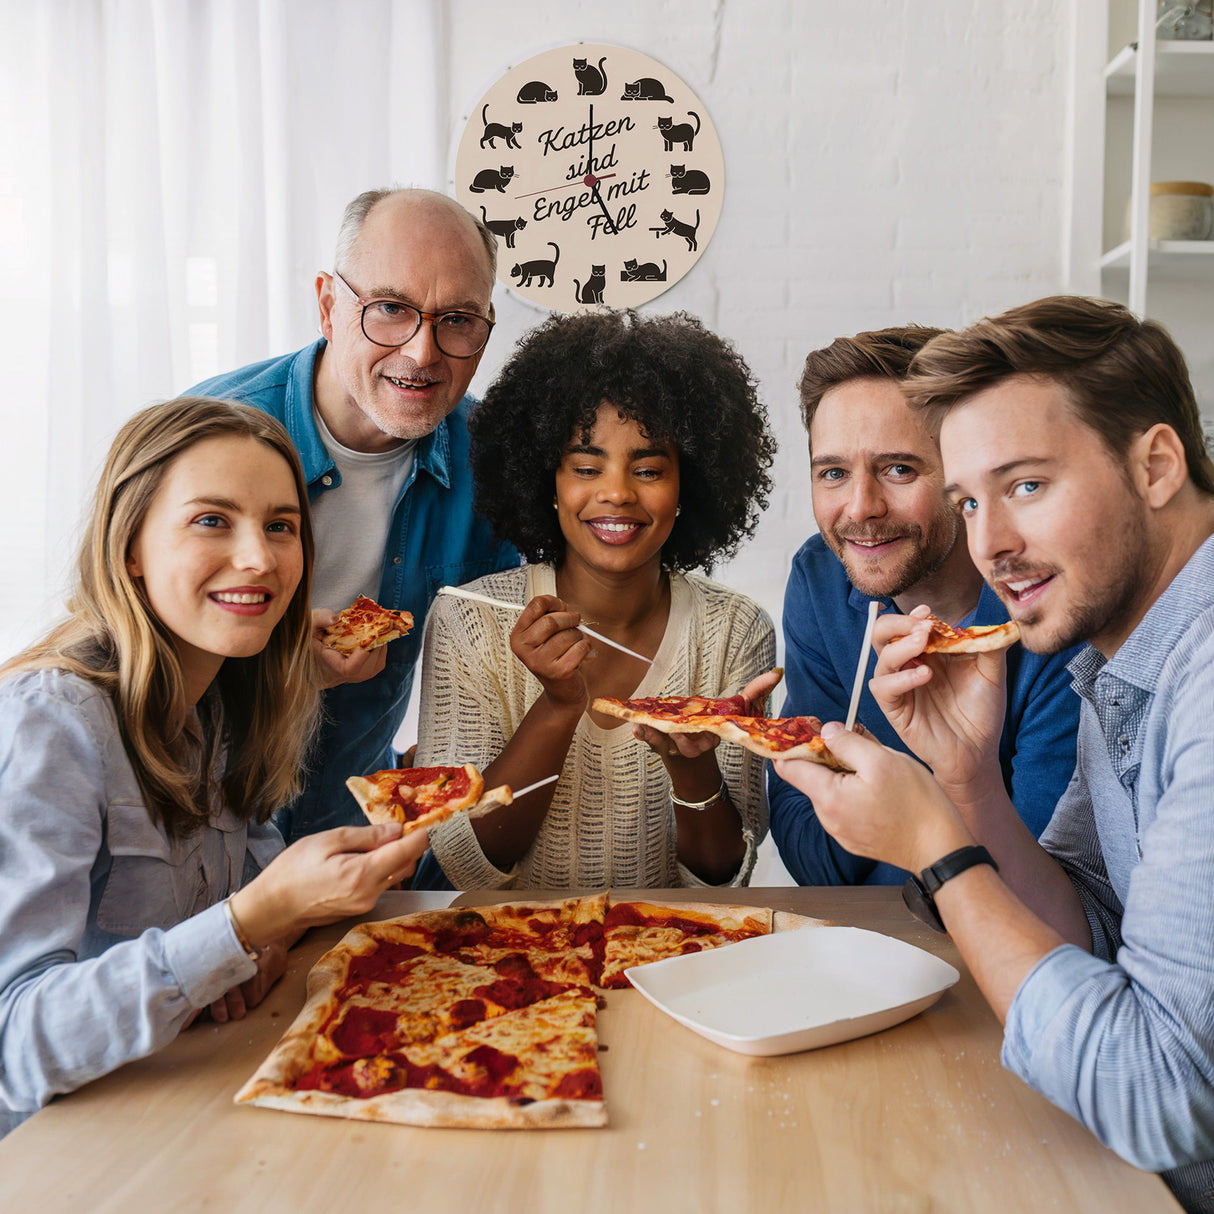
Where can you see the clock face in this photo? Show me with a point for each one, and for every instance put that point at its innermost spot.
(600, 173)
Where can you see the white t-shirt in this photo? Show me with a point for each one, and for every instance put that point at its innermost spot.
(351, 522)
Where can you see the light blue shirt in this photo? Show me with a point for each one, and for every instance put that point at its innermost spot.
(112, 933)
(1123, 1038)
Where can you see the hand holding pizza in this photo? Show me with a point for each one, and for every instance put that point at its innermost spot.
(948, 709)
(336, 667)
(547, 641)
(325, 877)
(888, 808)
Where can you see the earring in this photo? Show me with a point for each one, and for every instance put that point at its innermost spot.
(555, 506)
(677, 511)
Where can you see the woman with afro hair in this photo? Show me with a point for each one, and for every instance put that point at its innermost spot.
(617, 452)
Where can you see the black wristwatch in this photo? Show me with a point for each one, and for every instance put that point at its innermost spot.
(919, 892)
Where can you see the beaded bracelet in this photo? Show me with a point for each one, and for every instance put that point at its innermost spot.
(719, 795)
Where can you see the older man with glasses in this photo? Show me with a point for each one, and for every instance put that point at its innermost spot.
(378, 412)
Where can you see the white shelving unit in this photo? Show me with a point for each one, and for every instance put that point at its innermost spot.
(1142, 110)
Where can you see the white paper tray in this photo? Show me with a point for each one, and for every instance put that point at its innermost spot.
(796, 990)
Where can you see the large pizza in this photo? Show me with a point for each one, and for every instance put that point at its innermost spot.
(482, 1017)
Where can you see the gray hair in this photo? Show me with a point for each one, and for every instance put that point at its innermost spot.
(356, 213)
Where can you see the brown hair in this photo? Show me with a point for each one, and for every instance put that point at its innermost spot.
(259, 712)
(880, 354)
(1121, 375)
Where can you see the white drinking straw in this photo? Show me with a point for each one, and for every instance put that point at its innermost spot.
(522, 792)
(598, 636)
(873, 608)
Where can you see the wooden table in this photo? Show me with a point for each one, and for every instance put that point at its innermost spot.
(919, 1117)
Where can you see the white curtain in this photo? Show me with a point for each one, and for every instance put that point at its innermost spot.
(172, 173)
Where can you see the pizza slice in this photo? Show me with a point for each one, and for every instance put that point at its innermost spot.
(674, 714)
(420, 797)
(366, 625)
(556, 941)
(636, 933)
(781, 738)
(978, 638)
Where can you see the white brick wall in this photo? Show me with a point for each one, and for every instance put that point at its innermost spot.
(886, 161)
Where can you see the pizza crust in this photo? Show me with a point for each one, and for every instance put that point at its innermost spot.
(978, 638)
(565, 1020)
(378, 809)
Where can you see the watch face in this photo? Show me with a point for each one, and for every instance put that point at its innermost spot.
(921, 904)
(598, 171)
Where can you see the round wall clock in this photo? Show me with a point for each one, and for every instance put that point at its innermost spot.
(600, 173)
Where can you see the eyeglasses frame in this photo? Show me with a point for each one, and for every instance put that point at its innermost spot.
(432, 317)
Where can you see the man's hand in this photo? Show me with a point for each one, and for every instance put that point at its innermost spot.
(337, 668)
(890, 809)
(547, 642)
(948, 709)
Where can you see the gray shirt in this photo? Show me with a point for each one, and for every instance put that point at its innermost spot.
(1123, 1038)
(112, 933)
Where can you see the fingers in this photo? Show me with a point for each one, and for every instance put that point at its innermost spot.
(356, 838)
(907, 632)
(322, 617)
(357, 667)
(759, 688)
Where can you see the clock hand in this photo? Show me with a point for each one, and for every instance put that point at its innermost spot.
(565, 185)
(594, 189)
(590, 179)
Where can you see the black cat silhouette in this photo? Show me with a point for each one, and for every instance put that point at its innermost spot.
(495, 130)
(592, 292)
(677, 227)
(683, 133)
(688, 181)
(494, 179)
(645, 89)
(648, 272)
(534, 92)
(539, 268)
(506, 228)
(591, 80)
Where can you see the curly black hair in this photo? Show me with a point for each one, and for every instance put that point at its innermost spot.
(680, 383)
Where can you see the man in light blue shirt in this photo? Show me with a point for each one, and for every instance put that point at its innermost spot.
(378, 412)
(1073, 449)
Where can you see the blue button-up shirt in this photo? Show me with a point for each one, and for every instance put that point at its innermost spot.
(435, 539)
(1123, 1037)
(824, 622)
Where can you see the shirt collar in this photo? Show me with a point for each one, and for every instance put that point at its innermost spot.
(433, 453)
(1140, 660)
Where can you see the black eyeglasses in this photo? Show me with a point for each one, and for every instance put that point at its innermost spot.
(392, 322)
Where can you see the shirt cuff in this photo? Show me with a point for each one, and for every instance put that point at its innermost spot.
(1038, 1001)
(205, 957)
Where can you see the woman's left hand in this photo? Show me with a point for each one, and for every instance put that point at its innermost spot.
(675, 746)
(233, 1004)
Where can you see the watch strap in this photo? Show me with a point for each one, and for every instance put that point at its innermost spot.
(955, 863)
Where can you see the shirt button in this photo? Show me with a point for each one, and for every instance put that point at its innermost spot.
(326, 480)
(1125, 742)
(396, 560)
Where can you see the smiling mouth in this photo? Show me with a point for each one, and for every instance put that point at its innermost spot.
(410, 385)
(1026, 589)
(242, 598)
(614, 531)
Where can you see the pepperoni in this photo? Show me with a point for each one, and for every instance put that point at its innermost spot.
(465, 1012)
(515, 993)
(364, 1031)
(380, 966)
(580, 1085)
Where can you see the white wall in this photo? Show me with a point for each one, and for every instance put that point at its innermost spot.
(886, 161)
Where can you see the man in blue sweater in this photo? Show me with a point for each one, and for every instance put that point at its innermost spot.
(377, 409)
(887, 533)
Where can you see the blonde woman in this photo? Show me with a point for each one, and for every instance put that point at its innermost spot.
(143, 745)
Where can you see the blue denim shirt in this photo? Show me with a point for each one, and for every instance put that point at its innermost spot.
(111, 933)
(1123, 1038)
(436, 539)
(824, 622)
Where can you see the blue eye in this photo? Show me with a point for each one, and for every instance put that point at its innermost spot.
(210, 520)
(901, 471)
(389, 310)
(1025, 488)
(833, 475)
(966, 506)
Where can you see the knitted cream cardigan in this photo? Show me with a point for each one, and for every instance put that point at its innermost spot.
(610, 821)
